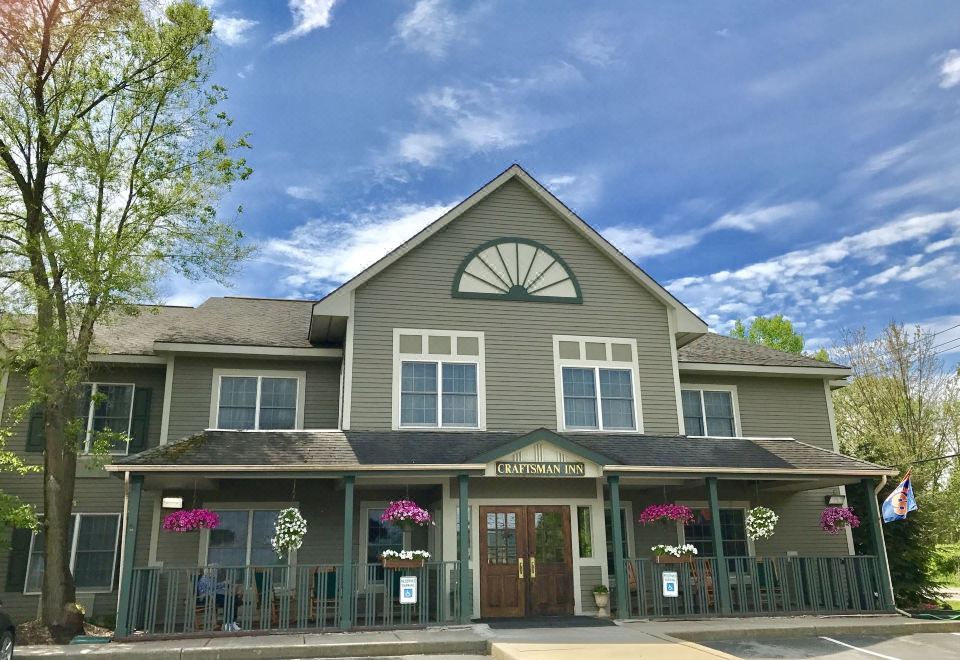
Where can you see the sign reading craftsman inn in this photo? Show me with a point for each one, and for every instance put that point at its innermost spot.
(540, 469)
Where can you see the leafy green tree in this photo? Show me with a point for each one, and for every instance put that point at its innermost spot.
(114, 154)
(775, 332)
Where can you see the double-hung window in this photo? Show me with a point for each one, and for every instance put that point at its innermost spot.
(105, 408)
(93, 553)
(265, 401)
(243, 539)
(699, 533)
(597, 384)
(439, 379)
(709, 412)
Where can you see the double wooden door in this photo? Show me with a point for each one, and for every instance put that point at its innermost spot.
(526, 561)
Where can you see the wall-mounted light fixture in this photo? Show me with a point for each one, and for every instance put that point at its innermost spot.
(835, 500)
(172, 503)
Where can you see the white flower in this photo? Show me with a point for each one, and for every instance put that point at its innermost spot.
(405, 554)
(288, 531)
(674, 550)
(761, 522)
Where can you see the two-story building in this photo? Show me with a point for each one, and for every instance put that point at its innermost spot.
(511, 372)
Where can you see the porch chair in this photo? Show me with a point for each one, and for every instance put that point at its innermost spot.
(201, 614)
(323, 587)
(706, 578)
(262, 578)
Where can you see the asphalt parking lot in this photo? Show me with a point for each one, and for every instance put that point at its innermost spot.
(928, 646)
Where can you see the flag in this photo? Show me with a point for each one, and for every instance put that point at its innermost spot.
(900, 502)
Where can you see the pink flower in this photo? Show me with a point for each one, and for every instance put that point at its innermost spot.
(405, 512)
(657, 512)
(190, 520)
(835, 518)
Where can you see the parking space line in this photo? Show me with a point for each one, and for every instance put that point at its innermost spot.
(857, 648)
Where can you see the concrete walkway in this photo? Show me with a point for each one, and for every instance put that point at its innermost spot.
(676, 640)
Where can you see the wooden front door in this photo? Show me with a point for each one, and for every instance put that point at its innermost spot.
(526, 565)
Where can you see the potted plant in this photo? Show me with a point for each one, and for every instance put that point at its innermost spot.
(834, 518)
(190, 520)
(404, 558)
(673, 554)
(405, 514)
(601, 596)
(761, 522)
(665, 513)
(288, 532)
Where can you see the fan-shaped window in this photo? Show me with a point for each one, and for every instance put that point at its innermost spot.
(516, 269)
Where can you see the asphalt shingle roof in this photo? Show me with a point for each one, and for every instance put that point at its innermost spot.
(355, 449)
(720, 349)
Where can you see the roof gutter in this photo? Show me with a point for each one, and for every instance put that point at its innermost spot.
(301, 467)
(764, 370)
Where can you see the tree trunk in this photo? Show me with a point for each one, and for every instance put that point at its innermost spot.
(59, 612)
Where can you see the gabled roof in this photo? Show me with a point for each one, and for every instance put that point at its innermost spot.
(337, 302)
(348, 451)
(712, 348)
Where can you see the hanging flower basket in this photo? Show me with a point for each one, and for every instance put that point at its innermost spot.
(190, 520)
(288, 532)
(666, 512)
(834, 518)
(761, 522)
(406, 514)
(404, 558)
(674, 554)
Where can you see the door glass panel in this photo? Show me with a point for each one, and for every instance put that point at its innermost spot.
(501, 538)
(550, 540)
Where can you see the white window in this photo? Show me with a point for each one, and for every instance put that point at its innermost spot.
(243, 539)
(597, 384)
(106, 408)
(438, 379)
(93, 553)
(259, 401)
(710, 410)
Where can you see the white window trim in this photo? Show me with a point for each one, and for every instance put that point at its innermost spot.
(259, 374)
(249, 508)
(88, 432)
(732, 389)
(559, 363)
(628, 531)
(724, 504)
(73, 556)
(439, 360)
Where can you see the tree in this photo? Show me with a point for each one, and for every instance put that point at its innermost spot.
(899, 411)
(114, 155)
(776, 332)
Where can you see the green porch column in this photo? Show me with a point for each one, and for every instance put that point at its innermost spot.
(722, 587)
(346, 596)
(129, 549)
(619, 567)
(878, 544)
(466, 602)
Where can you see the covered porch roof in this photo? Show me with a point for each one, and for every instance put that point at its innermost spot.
(456, 452)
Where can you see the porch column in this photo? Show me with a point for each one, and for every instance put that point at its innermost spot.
(619, 572)
(129, 549)
(346, 596)
(466, 602)
(722, 586)
(878, 545)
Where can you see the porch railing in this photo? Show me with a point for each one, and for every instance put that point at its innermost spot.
(756, 586)
(274, 598)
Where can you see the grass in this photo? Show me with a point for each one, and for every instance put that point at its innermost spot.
(954, 604)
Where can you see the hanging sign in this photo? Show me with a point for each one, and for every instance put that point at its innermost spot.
(540, 469)
(670, 584)
(408, 590)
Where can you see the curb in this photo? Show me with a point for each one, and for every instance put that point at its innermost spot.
(910, 626)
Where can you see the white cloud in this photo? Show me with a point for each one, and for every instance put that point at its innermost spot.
(489, 116)
(752, 218)
(232, 30)
(638, 242)
(950, 69)
(429, 27)
(594, 47)
(306, 192)
(323, 252)
(576, 190)
(308, 15)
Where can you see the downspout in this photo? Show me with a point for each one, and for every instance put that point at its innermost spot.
(883, 482)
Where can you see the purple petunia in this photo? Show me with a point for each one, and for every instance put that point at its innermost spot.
(190, 520)
(405, 512)
(657, 512)
(835, 518)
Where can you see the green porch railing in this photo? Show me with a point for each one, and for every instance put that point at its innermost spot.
(757, 586)
(165, 601)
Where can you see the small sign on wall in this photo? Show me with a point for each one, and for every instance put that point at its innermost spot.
(671, 584)
(408, 590)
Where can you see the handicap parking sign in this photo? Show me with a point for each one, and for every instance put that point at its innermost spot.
(670, 584)
(408, 590)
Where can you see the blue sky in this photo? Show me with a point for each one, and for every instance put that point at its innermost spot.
(800, 158)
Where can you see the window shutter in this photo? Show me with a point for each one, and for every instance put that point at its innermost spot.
(140, 423)
(35, 432)
(17, 560)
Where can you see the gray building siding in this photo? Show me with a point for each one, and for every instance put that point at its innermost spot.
(193, 386)
(415, 292)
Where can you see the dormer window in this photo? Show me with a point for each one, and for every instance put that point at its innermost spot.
(257, 401)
